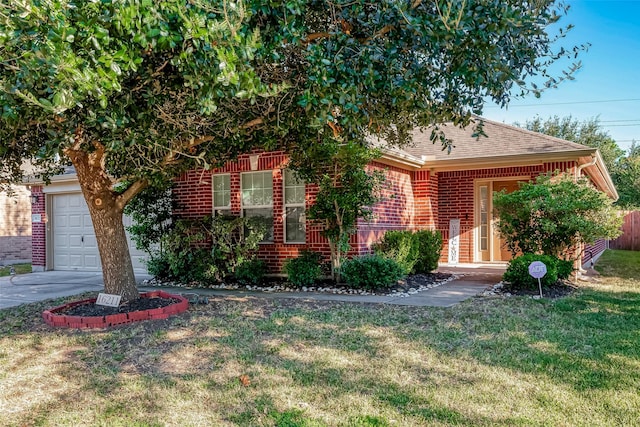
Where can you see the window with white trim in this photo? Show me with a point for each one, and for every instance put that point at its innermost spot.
(257, 199)
(221, 195)
(294, 208)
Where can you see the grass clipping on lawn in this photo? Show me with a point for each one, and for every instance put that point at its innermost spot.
(265, 362)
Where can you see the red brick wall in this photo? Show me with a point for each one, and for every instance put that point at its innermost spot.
(193, 193)
(38, 231)
(425, 192)
(395, 210)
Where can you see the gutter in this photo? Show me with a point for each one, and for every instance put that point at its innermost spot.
(400, 158)
(602, 171)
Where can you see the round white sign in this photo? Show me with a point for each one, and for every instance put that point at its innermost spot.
(537, 269)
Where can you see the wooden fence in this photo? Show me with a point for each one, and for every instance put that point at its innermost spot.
(630, 238)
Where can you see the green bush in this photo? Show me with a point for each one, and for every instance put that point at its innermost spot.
(183, 255)
(565, 268)
(417, 252)
(554, 215)
(204, 250)
(251, 272)
(429, 244)
(304, 270)
(518, 277)
(371, 272)
(234, 241)
(158, 267)
(399, 246)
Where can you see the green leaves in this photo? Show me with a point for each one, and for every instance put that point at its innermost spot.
(554, 215)
(142, 78)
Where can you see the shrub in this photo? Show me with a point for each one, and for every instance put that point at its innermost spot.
(371, 272)
(429, 246)
(183, 253)
(151, 212)
(251, 272)
(555, 215)
(415, 252)
(158, 266)
(304, 270)
(234, 241)
(518, 277)
(399, 246)
(565, 268)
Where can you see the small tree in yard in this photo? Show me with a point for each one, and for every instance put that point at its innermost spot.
(553, 215)
(347, 191)
(136, 92)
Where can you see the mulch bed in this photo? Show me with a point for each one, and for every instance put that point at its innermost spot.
(279, 284)
(92, 309)
(557, 290)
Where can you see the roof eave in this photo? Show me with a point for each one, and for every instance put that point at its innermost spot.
(402, 160)
(67, 177)
(492, 162)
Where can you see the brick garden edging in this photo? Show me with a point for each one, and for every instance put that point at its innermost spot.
(52, 318)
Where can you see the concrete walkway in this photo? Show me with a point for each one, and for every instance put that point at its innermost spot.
(32, 287)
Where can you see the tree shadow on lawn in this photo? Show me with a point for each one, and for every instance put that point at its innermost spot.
(269, 344)
(585, 342)
(588, 341)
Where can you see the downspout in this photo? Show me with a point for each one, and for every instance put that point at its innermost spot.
(594, 160)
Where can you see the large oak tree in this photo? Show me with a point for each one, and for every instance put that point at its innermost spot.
(133, 92)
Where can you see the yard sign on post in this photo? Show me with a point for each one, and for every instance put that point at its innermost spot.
(537, 270)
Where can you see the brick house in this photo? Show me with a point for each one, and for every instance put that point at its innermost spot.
(426, 188)
(15, 227)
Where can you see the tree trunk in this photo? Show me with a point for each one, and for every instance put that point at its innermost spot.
(106, 207)
(334, 260)
(117, 268)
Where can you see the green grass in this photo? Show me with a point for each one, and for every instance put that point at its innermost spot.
(486, 362)
(623, 264)
(20, 269)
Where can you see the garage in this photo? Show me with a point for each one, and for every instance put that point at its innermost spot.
(74, 245)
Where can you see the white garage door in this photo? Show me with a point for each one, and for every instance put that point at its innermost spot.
(74, 241)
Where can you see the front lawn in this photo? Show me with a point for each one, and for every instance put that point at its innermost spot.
(19, 269)
(262, 362)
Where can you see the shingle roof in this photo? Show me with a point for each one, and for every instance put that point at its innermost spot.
(501, 140)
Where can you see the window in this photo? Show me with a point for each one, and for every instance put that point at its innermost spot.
(294, 209)
(221, 195)
(257, 199)
(484, 218)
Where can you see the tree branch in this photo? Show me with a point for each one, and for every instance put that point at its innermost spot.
(252, 123)
(135, 188)
(170, 158)
(315, 36)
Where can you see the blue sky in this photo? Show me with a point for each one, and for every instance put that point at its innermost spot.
(608, 84)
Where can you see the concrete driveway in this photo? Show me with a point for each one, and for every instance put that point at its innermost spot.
(31, 287)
